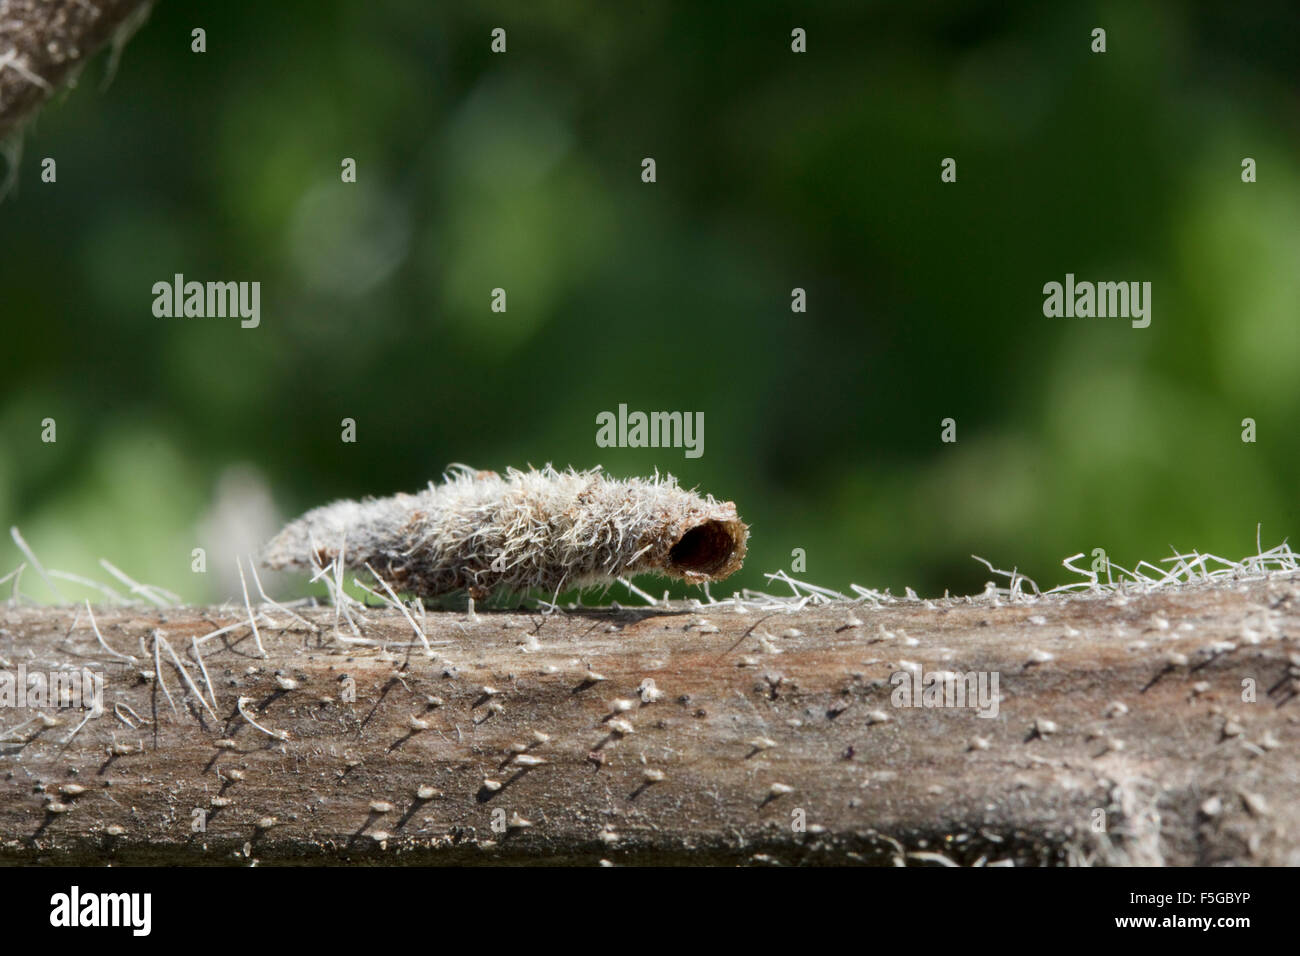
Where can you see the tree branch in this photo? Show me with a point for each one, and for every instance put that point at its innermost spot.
(42, 42)
(665, 736)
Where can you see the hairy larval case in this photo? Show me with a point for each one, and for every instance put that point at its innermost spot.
(541, 528)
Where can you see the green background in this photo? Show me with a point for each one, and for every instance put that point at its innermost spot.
(775, 170)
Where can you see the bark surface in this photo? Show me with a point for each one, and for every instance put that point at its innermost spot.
(1156, 728)
(43, 43)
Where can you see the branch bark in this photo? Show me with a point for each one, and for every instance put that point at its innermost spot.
(42, 42)
(668, 736)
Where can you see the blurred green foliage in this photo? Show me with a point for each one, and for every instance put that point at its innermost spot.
(775, 170)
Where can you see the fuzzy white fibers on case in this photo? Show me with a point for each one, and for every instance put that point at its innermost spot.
(540, 528)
